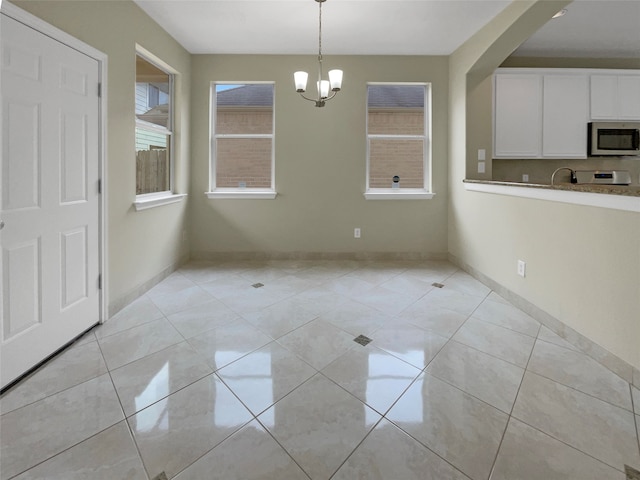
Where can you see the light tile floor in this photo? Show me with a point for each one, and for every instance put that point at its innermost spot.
(207, 377)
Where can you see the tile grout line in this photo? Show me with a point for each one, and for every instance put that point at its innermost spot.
(126, 420)
(256, 415)
(422, 371)
(282, 446)
(217, 444)
(212, 373)
(17, 386)
(93, 435)
(120, 312)
(580, 391)
(566, 444)
(64, 450)
(148, 354)
(423, 444)
(357, 446)
(510, 414)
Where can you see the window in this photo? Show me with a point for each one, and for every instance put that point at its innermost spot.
(398, 144)
(154, 127)
(242, 147)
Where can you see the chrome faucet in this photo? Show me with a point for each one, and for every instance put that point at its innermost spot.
(573, 174)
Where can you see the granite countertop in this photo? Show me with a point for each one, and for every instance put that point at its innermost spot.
(626, 190)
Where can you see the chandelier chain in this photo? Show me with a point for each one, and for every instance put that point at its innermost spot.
(320, 31)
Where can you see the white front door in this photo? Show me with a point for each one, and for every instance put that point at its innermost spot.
(49, 197)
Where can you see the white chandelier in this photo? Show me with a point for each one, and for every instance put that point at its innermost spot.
(327, 89)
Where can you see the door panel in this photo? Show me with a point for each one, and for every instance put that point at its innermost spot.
(22, 283)
(50, 199)
(73, 158)
(21, 167)
(73, 271)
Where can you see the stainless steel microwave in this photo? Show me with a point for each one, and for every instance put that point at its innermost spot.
(614, 138)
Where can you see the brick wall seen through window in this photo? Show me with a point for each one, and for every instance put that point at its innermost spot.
(242, 150)
(397, 136)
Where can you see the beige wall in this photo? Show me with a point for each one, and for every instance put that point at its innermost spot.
(320, 164)
(141, 245)
(583, 263)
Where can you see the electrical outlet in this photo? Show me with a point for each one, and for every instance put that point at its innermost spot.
(481, 168)
(525, 177)
(522, 266)
(356, 233)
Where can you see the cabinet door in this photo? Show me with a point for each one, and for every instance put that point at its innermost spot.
(517, 115)
(615, 97)
(629, 97)
(604, 97)
(565, 116)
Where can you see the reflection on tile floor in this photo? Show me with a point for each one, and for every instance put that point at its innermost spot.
(206, 376)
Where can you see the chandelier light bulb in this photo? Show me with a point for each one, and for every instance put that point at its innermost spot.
(323, 89)
(300, 79)
(335, 78)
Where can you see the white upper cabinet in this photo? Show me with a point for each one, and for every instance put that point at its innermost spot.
(543, 113)
(565, 106)
(615, 97)
(517, 115)
(540, 115)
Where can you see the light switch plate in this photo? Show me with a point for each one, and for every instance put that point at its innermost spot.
(482, 155)
(481, 167)
(522, 267)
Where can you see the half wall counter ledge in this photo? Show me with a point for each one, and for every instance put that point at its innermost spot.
(616, 197)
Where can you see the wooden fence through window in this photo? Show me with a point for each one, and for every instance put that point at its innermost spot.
(152, 171)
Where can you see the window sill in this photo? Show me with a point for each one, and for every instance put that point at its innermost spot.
(242, 194)
(393, 194)
(144, 202)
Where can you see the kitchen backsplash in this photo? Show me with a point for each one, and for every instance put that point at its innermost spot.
(540, 171)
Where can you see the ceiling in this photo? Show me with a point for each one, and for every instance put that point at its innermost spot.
(595, 28)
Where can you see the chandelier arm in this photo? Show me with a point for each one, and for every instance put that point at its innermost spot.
(310, 99)
(330, 97)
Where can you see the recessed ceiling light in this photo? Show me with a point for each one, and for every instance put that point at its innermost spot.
(560, 13)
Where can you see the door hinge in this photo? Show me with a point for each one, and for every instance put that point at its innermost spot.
(100, 282)
(100, 90)
(99, 185)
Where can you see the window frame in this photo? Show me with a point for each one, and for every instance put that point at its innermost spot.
(144, 201)
(403, 193)
(216, 192)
